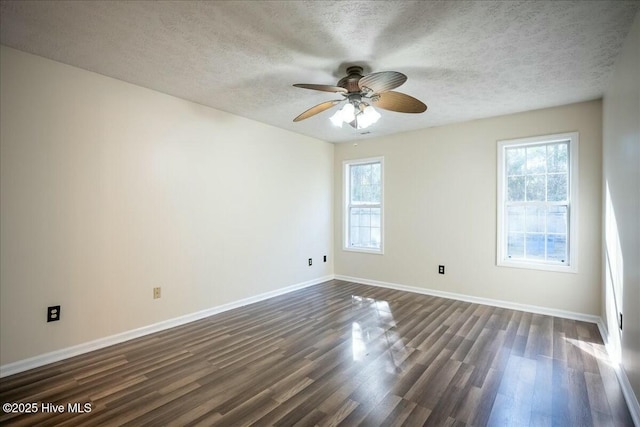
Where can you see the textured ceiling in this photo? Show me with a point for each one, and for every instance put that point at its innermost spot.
(465, 60)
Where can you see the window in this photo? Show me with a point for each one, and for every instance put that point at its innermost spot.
(537, 202)
(363, 187)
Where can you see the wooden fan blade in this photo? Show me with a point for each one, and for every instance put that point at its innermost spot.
(383, 81)
(323, 88)
(396, 101)
(317, 109)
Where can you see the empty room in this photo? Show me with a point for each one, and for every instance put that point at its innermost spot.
(320, 213)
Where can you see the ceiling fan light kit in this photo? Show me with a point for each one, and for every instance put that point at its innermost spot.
(360, 94)
(356, 113)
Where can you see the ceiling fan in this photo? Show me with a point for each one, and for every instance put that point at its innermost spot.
(361, 93)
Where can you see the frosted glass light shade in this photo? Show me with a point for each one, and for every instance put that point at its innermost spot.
(368, 117)
(347, 114)
(336, 119)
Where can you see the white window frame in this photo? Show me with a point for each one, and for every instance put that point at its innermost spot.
(346, 198)
(572, 216)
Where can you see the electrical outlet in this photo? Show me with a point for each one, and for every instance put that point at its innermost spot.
(310, 261)
(156, 293)
(441, 269)
(620, 321)
(325, 258)
(53, 313)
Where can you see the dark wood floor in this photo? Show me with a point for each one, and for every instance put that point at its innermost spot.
(340, 354)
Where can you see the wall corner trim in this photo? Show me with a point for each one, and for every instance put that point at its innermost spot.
(76, 350)
(625, 385)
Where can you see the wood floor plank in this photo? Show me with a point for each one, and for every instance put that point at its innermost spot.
(339, 353)
(333, 419)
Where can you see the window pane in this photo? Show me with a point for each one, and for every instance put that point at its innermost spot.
(362, 187)
(375, 171)
(557, 219)
(557, 157)
(365, 193)
(354, 235)
(365, 237)
(354, 217)
(365, 217)
(535, 188)
(515, 161)
(557, 247)
(515, 189)
(557, 187)
(366, 183)
(364, 227)
(536, 159)
(515, 245)
(375, 237)
(515, 219)
(359, 181)
(535, 219)
(375, 217)
(376, 191)
(535, 246)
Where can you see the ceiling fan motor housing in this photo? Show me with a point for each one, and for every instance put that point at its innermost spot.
(350, 83)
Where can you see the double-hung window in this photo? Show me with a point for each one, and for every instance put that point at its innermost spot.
(537, 202)
(363, 209)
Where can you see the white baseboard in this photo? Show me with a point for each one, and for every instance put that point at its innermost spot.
(627, 391)
(629, 395)
(65, 353)
(477, 300)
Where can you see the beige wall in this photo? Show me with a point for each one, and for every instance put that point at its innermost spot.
(440, 208)
(109, 189)
(621, 171)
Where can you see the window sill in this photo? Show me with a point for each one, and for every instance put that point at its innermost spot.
(536, 266)
(364, 250)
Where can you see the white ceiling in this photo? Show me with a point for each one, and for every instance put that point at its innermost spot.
(465, 60)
